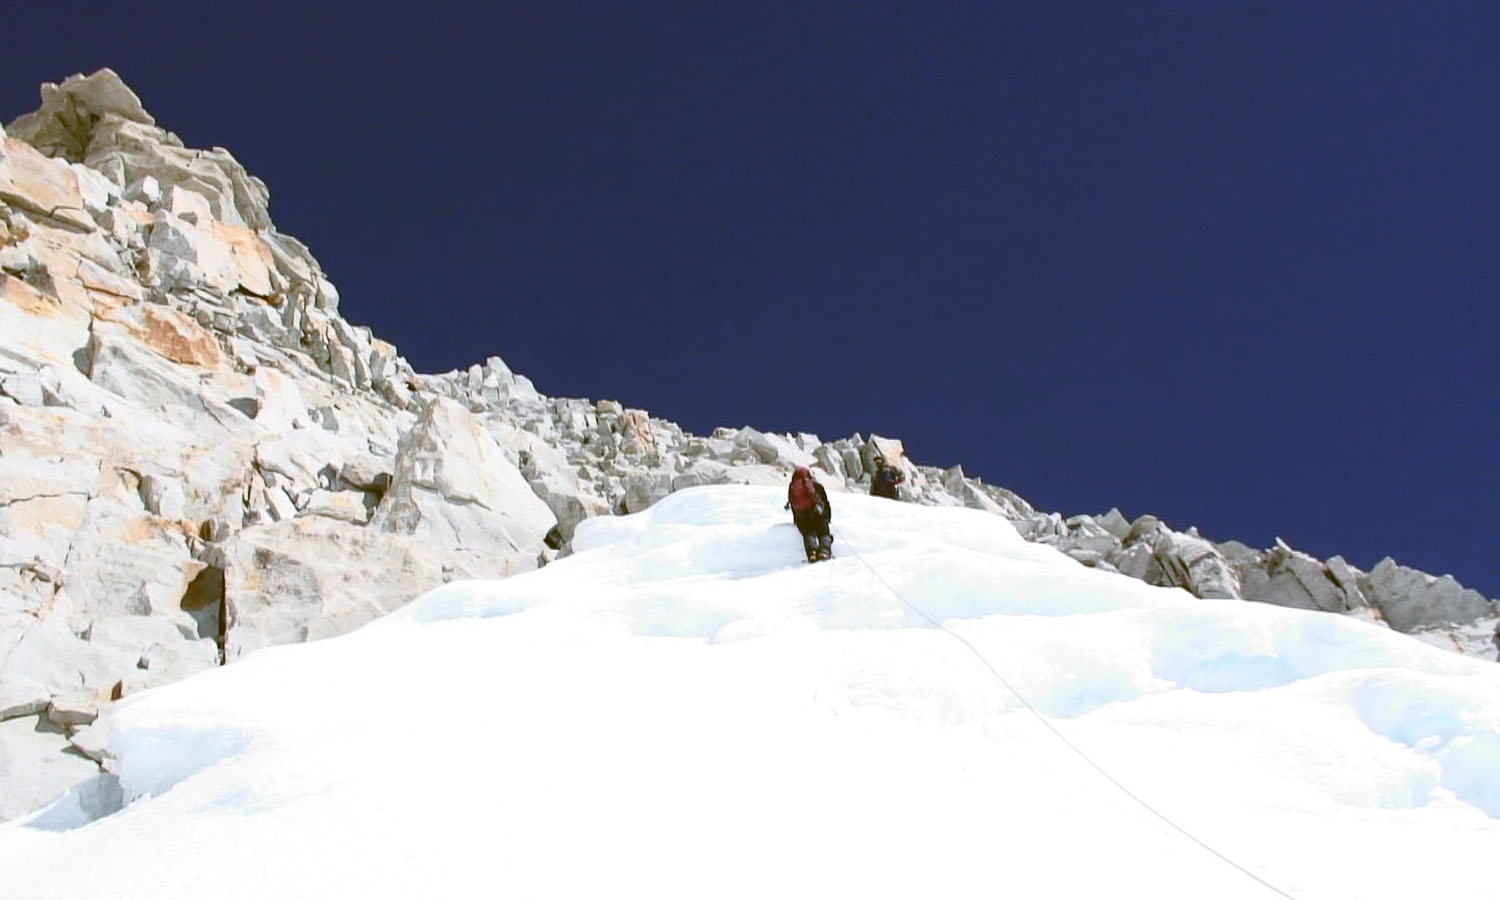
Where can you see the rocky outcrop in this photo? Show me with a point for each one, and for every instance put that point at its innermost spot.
(100, 123)
(453, 487)
(313, 576)
(200, 456)
(1410, 600)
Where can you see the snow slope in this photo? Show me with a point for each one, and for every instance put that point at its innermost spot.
(685, 709)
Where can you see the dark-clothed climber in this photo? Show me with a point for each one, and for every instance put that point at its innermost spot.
(885, 480)
(810, 510)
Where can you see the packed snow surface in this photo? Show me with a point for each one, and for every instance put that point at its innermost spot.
(686, 709)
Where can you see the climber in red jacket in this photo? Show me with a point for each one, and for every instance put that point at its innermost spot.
(810, 510)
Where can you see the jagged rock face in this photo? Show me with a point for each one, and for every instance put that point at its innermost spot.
(199, 456)
(99, 122)
(453, 487)
(1410, 599)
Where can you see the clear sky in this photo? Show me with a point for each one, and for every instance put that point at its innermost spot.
(1233, 264)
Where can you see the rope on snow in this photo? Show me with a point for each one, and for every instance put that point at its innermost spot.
(1048, 724)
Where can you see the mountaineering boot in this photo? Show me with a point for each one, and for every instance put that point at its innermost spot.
(825, 547)
(810, 547)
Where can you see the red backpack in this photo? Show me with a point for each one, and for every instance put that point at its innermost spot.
(803, 493)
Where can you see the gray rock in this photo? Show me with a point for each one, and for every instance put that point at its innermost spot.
(854, 467)
(1137, 561)
(98, 121)
(966, 492)
(1237, 552)
(829, 460)
(36, 765)
(1114, 523)
(1143, 527)
(703, 472)
(1193, 563)
(70, 711)
(775, 449)
(171, 661)
(132, 636)
(350, 506)
(310, 578)
(1089, 557)
(889, 449)
(25, 389)
(62, 126)
(163, 496)
(92, 740)
(123, 562)
(1297, 580)
(43, 187)
(367, 472)
(42, 660)
(1410, 599)
(644, 489)
(453, 487)
(1347, 578)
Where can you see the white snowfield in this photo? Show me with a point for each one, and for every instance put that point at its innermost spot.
(686, 709)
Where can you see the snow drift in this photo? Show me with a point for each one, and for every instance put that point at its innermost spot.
(684, 708)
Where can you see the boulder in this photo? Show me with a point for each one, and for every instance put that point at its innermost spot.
(170, 661)
(41, 186)
(829, 460)
(178, 338)
(775, 449)
(132, 636)
(1193, 563)
(37, 765)
(72, 711)
(1410, 599)
(99, 122)
(40, 328)
(279, 404)
(1115, 523)
(890, 449)
(140, 376)
(42, 660)
(570, 504)
(966, 492)
(1137, 561)
(642, 489)
(453, 487)
(1087, 541)
(1347, 578)
(311, 577)
(348, 506)
(1296, 580)
(188, 252)
(63, 125)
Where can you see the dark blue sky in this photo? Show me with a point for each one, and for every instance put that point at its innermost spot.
(1234, 264)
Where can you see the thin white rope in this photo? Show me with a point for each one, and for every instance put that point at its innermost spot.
(1052, 728)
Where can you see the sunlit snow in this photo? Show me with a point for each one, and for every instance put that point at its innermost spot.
(686, 709)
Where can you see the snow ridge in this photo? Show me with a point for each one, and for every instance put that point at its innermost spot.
(682, 707)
